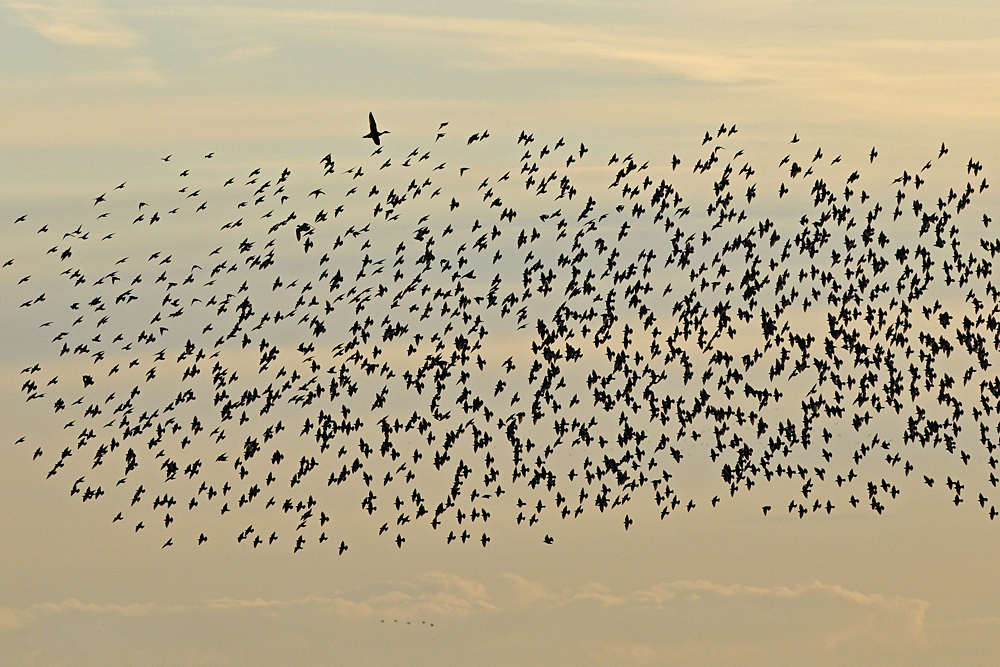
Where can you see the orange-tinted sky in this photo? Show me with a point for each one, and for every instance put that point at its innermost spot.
(96, 93)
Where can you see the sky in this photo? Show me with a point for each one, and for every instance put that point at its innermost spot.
(98, 93)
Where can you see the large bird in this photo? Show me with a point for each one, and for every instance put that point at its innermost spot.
(373, 131)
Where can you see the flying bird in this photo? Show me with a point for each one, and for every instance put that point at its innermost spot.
(373, 131)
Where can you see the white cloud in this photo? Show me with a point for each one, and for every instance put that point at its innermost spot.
(75, 22)
(912, 611)
(506, 43)
(135, 609)
(525, 591)
(337, 605)
(809, 619)
(437, 593)
(431, 594)
(721, 56)
(591, 591)
(884, 619)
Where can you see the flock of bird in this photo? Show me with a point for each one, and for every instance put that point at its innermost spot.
(292, 351)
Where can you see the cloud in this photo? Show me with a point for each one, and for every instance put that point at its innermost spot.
(682, 621)
(851, 615)
(248, 54)
(338, 606)
(430, 594)
(436, 593)
(525, 591)
(911, 610)
(591, 592)
(718, 55)
(135, 609)
(505, 43)
(451, 595)
(14, 619)
(75, 23)
(467, 588)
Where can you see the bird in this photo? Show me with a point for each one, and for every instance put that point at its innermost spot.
(373, 132)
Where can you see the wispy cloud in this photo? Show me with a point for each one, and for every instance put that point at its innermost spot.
(134, 609)
(809, 619)
(592, 592)
(432, 594)
(906, 616)
(14, 619)
(501, 43)
(247, 54)
(337, 605)
(911, 610)
(75, 23)
(437, 593)
(528, 592)
(711, 55)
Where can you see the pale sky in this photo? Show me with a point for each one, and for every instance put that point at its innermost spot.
(96, 93)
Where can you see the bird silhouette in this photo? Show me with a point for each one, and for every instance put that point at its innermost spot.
(373, 131)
